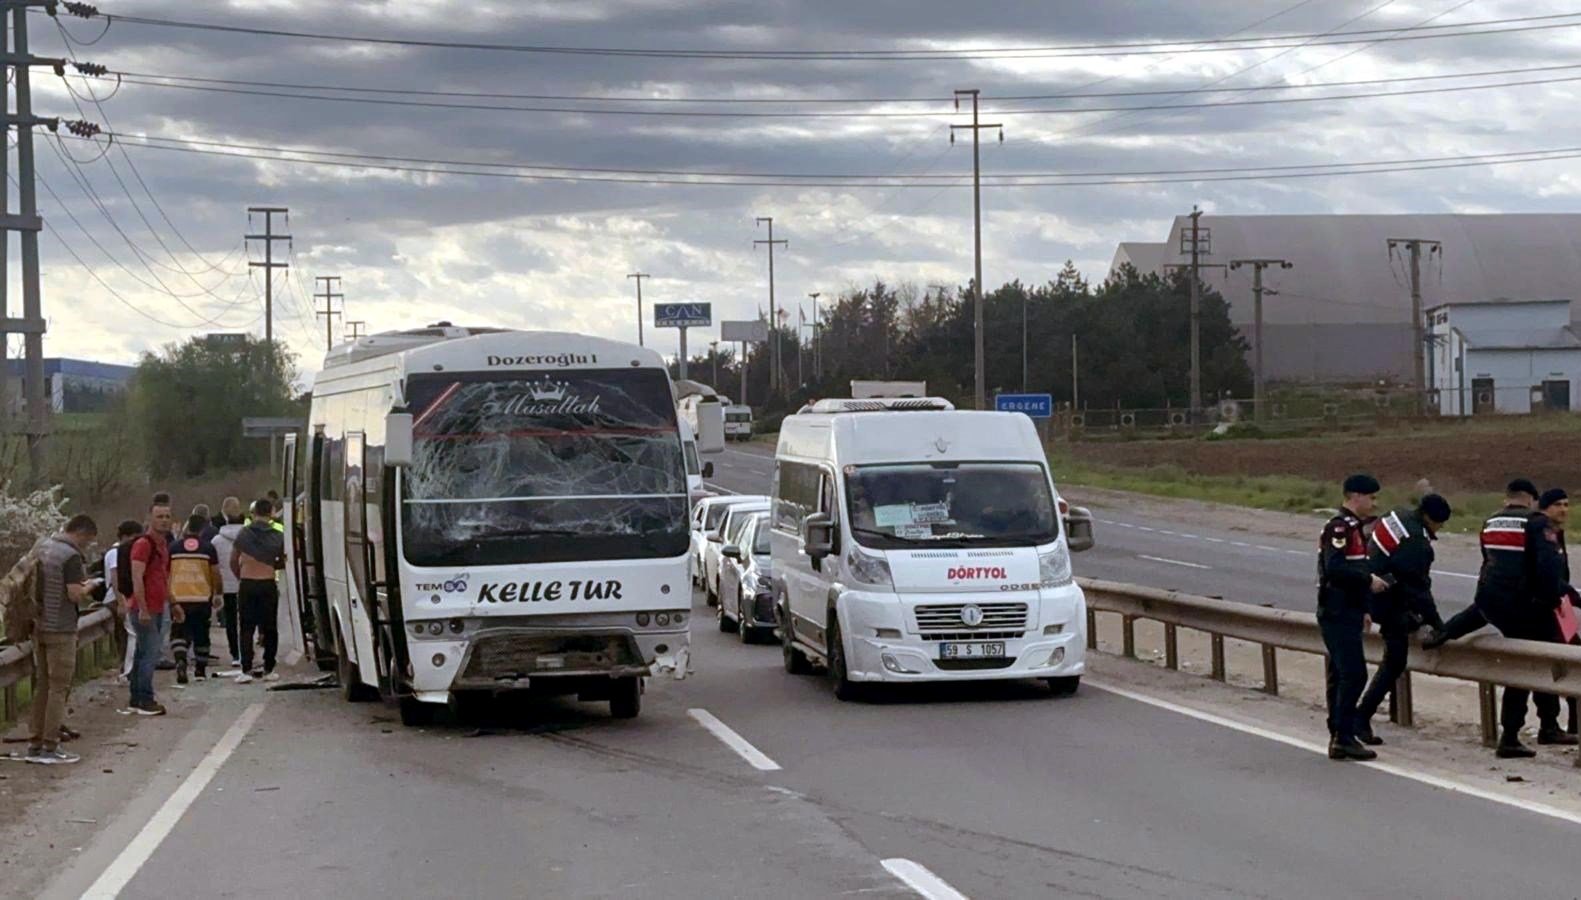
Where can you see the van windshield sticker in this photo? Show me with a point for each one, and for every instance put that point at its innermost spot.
(931, 513)
(914, 532)
(893, 515)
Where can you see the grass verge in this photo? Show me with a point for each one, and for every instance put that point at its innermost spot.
(1283, 493)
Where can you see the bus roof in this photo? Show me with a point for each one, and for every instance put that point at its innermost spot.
(453, 349)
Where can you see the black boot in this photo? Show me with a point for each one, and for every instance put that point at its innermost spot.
(181, 667)
(1553, 736)
(1510, 747)
(1349, 750)
(1366, 736)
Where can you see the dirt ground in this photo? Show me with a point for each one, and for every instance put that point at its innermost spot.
(1476, 459)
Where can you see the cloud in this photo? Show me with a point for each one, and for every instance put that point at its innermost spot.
(413, 248)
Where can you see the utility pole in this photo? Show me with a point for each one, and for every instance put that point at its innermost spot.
(774, 341)
(713, 349)
(329, 296)
(1418, 326)
(817, 338)
(639, 276)
(1023, 342)
(268, 265)
(976, 128)
(1200, 241)
(801, 325)
(356, 329)
(28, 223)
(1075, 371)
(1258, 265)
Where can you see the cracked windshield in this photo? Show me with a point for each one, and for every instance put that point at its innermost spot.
(563, 466)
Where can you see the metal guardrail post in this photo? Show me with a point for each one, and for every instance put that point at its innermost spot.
(1216, 641)
(1171, 648)
(1405, 712)
(1488, 705)
(1270, 670)
(1092, 629)
(8, 703)
(1128, 636)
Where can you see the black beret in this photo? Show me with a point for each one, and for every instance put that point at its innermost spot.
(1551, 496)
(1362, 484)
(1522, 486)
(1435, 507)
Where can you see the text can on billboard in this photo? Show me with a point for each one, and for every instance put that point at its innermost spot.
(755, 331)
(1038, 406)
(683, 315)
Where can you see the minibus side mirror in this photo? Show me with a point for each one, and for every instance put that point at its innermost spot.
(1078, 529)
(708, 470)
(818, 535)
(730, 551)
(398, 439)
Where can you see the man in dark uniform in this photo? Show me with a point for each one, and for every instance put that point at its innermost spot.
(1345, 586)
(1402, 555)
(1503, 574)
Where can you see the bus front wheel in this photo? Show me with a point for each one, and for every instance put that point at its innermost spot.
(625, 699)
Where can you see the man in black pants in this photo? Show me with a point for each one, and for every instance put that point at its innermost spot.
(1402, 555)
(260, 551)
(1345, 586)
(1503, 574)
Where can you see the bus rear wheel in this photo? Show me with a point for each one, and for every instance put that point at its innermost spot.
(352, 690)
(625, 698)
(415, 713)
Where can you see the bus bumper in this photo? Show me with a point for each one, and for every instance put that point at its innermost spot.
(495, 658)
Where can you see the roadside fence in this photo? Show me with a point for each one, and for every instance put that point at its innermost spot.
(1488, 661)
(96, 645)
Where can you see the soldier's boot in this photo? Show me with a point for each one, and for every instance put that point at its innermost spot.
(1349, 750)
(1510, 747)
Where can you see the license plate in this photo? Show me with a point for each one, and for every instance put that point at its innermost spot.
(984, 650)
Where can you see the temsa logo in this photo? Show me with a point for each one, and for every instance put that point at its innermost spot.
(968, 573)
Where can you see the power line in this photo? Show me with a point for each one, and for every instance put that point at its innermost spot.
(1053, 179)
(865, 114)
(150, 79)
(1211, 45)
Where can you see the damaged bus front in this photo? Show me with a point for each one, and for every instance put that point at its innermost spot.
(538, 507)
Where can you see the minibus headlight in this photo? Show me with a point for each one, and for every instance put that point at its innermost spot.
(1054, 566)
(873, 570)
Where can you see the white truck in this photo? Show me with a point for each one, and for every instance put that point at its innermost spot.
(738, 422)
(705, 414)
(914, 542)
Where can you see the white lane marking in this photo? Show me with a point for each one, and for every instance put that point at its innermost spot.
(1456, 575)
(1172, 562)
(1456, 787)
(919, 879)
(736, 742)
(715, 487)
(120, 872)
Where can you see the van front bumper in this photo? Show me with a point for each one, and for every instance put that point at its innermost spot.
(1053, 643)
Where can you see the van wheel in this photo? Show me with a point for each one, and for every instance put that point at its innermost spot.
(1065, 686)
(352, 690)
(625, 699)
(839, 677)
(725, 624)
(415, 713)
(744, 627)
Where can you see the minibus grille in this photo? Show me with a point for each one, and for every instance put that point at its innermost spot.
(973, 636)
(935, 618)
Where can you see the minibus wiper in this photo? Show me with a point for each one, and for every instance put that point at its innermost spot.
(894, 537)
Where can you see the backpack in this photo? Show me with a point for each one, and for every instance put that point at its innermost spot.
(123, 566)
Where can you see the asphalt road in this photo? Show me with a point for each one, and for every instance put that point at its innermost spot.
(1000, 791)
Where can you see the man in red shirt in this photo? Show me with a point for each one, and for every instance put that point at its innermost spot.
(149, 607)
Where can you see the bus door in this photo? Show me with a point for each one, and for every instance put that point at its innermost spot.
(309, 496)
(364, 612)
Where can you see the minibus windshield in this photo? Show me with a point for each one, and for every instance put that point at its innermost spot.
(967, 503)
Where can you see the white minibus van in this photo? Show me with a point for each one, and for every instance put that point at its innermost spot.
(914, 542)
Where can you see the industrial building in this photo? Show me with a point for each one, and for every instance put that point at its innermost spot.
(1506, 356)
(72, 385)
(1342, 313)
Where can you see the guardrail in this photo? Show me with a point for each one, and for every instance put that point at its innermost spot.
(1487, 660)
(94, 631)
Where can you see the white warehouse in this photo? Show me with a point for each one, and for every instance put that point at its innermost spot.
(1507, 356)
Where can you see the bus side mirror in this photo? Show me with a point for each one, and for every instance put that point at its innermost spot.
(398, 439)
(708, 469)
(818, 535)
(1078, 529)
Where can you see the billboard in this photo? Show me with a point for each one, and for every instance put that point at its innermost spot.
(683, 315)
(754, 331)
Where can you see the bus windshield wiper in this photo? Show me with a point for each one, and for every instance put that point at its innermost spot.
(895, 537)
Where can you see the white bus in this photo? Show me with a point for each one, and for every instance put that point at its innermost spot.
(485, 510)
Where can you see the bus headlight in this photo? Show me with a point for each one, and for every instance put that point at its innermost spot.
(1054, 566)
(642, 620)
(661, 619)
(873, 570)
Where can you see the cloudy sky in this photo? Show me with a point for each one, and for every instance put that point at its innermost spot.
(413, 247)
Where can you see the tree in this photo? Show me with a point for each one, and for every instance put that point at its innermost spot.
(186, 403)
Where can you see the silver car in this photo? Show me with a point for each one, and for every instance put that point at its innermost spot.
(746, 573)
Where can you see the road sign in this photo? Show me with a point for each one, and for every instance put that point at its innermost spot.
(1038, 406)
(683, 315)
(755, 331)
